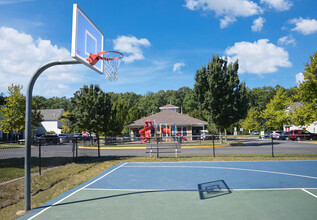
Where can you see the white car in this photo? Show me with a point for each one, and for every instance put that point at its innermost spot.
(277, 134)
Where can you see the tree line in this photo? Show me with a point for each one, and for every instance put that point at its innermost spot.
(217, 97)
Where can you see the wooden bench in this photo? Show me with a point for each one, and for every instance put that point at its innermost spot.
(161, 148)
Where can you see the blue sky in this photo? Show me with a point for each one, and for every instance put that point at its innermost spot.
(164, 42)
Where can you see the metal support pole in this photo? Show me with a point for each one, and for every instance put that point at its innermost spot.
(28, 114)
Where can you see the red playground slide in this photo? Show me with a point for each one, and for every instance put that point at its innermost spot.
(181, 137)
(146, 131)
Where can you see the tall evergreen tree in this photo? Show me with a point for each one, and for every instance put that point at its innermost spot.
(219, 91)
(119, 114)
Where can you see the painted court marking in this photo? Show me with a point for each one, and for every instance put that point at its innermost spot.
(229, 168)
(312, 194)
(77, 191)
(185, 166)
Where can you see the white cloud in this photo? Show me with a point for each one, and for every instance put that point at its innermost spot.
(279, 5)
(226, 21)
(228, 9)
(259, 57)
(287, 40)
(257, 24)
(299, 78)
(132, 46)
(177, 67)
(304, 26)
(21, 56)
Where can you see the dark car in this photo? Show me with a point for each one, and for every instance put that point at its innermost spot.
(284, 136)
(64, 138)
(50, 139)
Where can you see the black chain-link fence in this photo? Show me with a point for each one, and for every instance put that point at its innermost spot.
(48, 152)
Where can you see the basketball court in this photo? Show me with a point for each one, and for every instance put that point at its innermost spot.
(183, 190)
(192, 190)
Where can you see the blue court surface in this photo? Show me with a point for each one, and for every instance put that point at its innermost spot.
(192, 190)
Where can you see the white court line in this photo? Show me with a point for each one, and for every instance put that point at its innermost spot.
(146, 190)
(229, 168)
(312, 194)
(76, 191)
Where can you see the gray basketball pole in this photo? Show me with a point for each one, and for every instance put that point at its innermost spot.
(28, 131)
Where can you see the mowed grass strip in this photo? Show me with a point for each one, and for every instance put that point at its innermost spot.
(54, 182)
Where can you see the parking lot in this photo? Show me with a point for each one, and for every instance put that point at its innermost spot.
(248, 146)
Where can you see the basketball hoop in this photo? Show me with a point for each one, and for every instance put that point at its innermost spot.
(111, 63)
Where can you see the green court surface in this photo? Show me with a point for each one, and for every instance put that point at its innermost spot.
(259, 204)
(192, 190)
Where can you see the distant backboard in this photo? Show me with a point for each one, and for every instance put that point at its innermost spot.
(86, 39)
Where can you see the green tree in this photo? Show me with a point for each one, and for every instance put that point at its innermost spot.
(133, 114)
(119, 113)
(259, 97)
(303, 115)
(90, 111)
(131, 99)
(67, 126)
(220, 92)
(147, 104)
(13, 113)
(190, 102)
(52, 103)
(307, 94)
(2, 98)
(275, 114)
(200, 87)
(252, 121)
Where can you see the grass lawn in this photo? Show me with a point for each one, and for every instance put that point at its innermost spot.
(57, 180)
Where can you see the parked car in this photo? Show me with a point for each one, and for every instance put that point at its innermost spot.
(277, 134)
(254, 133)
(50, 139)
(205, 135)
(301, 135)
(64, 138)
(267, 135)
(284, 136)
(78, 136)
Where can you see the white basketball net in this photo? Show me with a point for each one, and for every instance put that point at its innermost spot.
(111, 66)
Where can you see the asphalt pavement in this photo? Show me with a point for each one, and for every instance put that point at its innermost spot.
(249, 146)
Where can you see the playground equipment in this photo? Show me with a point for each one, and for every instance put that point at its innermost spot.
(159, 132)
(146, 131)
(185, 139)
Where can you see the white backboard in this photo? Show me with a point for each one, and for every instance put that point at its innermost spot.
(86, 39)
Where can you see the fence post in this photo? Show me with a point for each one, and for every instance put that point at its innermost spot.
(213, 145)
(272, 148)
(157, 149)
(98, 146)
(76, 149)
(74, 145)
(40, 157)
